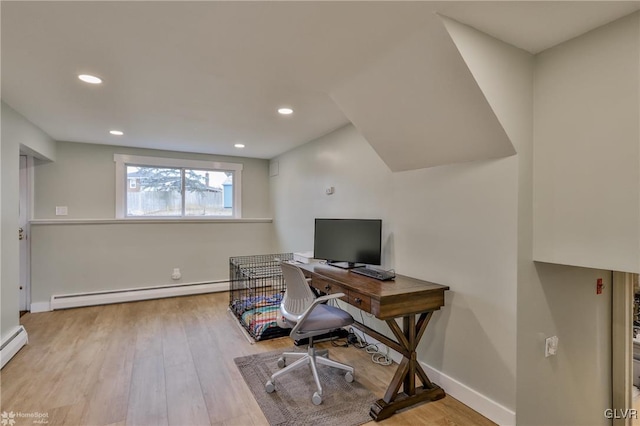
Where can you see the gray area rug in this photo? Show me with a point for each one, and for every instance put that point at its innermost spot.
(344, 404)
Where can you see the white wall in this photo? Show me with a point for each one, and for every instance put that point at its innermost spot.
(83, 179)
(17, 134)
(9, 274)
(456, 225)
(471, 226)
(438, 224)
(587, 150)
(551, 299)
(577, 86)
(97, 257)
(574, 387)
(100, 256)
(344, 160)
(505, 76)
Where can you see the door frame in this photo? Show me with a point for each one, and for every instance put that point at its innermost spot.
(26, 202)
(622, 344)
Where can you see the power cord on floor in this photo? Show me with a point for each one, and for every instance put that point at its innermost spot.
(377, 356)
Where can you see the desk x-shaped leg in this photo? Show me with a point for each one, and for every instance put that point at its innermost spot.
(409, 368)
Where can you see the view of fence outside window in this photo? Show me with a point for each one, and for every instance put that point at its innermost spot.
(169, 191)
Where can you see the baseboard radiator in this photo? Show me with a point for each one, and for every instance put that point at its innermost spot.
(12, 344)
(76, 300)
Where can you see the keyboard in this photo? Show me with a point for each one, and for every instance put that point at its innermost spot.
(374, 273)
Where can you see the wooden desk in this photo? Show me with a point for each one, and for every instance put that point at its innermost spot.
(405, 298)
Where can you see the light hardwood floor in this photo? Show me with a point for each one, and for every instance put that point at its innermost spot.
(160, 362)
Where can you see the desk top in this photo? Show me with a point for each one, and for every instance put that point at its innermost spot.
(384, 299)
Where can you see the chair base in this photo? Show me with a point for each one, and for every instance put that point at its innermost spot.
(312, 358)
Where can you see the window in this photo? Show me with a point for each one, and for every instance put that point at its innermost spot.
(164, 187)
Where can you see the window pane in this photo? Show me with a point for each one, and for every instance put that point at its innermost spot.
(208, 193)
(154, 191)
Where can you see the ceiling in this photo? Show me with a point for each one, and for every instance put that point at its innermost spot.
(203, 76)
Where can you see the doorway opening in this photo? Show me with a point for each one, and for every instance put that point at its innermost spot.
(625, 351)
(24, 209)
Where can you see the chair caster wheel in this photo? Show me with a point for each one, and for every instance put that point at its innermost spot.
(348, 377)
(282, 362)
(269, 387)
(316, 399)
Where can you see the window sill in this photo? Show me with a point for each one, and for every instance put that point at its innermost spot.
(146, 220)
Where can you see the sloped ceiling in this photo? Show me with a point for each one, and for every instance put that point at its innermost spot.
(419, 105)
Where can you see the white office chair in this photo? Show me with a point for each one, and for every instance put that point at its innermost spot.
(309, 317)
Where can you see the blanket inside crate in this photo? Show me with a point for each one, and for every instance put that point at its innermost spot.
(259, 314)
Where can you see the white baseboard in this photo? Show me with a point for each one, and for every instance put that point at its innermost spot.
(40, 307)
(471, 398)
(12, 344)
(76, 300)
(463, 393)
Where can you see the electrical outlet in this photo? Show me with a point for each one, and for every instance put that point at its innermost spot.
(551, 346)
(176, 275)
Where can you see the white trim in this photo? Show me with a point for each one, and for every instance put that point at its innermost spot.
(122, 159)
(12, 344)
(120, 185)
(31, 179)
(237, 193)
(622, 345)
(130, 221)
(74, 300)
(484, 405)
(175, 162)
(25, 225)
(40, 307)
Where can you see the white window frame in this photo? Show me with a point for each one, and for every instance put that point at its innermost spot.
(122, 160)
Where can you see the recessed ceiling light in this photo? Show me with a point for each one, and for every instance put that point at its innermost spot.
(116, 132)
(285, 111)
(92, 79)
(239, 145)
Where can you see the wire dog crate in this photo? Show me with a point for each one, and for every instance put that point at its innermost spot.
(256, 290)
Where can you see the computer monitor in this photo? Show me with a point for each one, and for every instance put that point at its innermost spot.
(345, 243)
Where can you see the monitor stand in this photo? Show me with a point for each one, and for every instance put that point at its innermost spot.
(345, 265)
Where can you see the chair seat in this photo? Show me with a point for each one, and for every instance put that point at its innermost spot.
(325, 317)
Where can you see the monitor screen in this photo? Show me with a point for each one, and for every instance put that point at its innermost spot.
(348, 240)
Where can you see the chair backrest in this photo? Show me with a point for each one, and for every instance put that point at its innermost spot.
(298, 295)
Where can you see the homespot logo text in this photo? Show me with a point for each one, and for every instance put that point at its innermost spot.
(10, 418)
